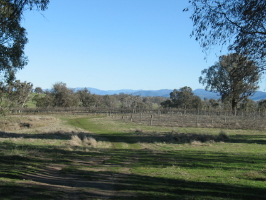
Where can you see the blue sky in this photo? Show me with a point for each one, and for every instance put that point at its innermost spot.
(113, 44)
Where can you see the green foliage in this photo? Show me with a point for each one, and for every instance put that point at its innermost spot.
(63, 96)
(237, 23)
(248, 105)
(38, 90)
(13, 36)
(43, 101)
(86, 98)
(14, 95)
(262, 105)
(183, 98)
(234, 77)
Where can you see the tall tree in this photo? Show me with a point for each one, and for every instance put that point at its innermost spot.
(235, 77)
(86, 98)
(240, 24)
(19, 92)
(63, 96)
(13, 35)
(14, 95)
(183, 98)
(38, 90)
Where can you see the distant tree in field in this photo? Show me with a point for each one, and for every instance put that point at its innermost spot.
(63, 96)
(234, 77)
(196, 102)
(21, 92)
(262, 105)
(248, 105)
(183, 98)
(43, 101)
(214, 103)
(239, 24)
(14, 95)
(86, 98)
(211, 103)
(154, 100)
(126, 100)
(109, 101)
(38, 90)
(13, 35)
(167, 104)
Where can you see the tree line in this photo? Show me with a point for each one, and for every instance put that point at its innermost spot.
(62, 96)
(239, 24)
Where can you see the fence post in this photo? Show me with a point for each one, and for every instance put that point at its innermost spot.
(151, 120)
(225, 119)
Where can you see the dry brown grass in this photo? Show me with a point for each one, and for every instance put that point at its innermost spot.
(76, 141)
(90, 141)
(256, 175)
(20, 122)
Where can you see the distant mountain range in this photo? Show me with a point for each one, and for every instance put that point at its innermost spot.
(166, 93)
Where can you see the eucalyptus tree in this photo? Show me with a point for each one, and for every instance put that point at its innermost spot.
(238, 24)
(86, 98)
(109, 101)
(38, 90)
(248, 105)
(63, 96)
(183, 98)
(43, 101)
(14, 95)
(262, 104)
(234, 77)
(13, 35)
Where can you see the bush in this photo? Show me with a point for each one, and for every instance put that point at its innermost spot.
(86, 141)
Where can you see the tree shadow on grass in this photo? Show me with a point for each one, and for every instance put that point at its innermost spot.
(101, 185)
(132, 157)
(57, 135)
(71, 183)
(182, 138)
(139, 137)
(248, 139)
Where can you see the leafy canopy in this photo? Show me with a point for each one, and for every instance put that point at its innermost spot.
(239, 24)
(13, 35)
(235, 77)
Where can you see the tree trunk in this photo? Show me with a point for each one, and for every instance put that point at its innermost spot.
(234, 106)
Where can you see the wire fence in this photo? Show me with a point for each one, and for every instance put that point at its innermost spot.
(199, 118)
(168, 117)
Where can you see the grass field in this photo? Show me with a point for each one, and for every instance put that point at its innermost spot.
(97, 157)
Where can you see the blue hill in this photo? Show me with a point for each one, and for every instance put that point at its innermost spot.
(259, 95)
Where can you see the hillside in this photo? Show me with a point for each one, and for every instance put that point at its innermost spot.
(259, 95)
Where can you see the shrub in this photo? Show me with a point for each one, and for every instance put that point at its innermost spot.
(86, 141)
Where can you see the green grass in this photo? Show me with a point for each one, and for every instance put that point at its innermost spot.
(211, 169)
(132, 161)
